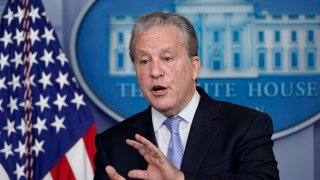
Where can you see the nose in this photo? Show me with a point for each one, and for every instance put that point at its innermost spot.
(156, 69)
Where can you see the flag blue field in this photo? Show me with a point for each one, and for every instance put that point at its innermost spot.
(46, 127)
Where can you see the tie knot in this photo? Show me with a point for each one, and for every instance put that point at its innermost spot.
(172, 124)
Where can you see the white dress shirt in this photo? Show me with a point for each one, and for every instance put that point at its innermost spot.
(161, 131)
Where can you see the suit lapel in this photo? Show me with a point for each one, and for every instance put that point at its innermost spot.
(143, 126)
(204, 129)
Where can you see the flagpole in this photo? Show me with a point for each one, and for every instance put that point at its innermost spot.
(27, 93)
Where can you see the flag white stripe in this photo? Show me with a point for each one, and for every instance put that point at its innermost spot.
(48, 177)
(79, 161)
(3, 173)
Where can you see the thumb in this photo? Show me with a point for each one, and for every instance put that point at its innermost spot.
(112, 173)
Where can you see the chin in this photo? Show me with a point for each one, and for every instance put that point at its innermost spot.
(164, 109)
(161, 108)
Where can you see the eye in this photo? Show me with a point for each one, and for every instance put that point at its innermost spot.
(167, 59)
(144, 61)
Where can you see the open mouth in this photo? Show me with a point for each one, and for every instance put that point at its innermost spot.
(158, 90)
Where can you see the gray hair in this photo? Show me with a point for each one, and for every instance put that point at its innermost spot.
(147, 21)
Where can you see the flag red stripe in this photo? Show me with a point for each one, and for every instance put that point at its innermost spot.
(88, 139)
(62, 170)
(26, 51)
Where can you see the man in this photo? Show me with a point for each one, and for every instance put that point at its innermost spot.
(212, 140)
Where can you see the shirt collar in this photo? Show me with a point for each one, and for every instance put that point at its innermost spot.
(187, 113)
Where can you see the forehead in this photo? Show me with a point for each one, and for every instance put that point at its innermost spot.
(157, 36)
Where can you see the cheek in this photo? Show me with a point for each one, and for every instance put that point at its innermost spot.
(188, 73)
(183, 77)
(142, 79)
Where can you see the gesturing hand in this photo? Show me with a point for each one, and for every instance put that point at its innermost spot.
(158, 166)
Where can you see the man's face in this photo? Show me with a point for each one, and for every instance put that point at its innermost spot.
(165, 72)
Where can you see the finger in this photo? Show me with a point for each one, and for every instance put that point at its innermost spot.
(138, 146)
(146, 149)
(112, 173)
(150, 147)
(138, 174)
(144, 141)
(152, 154)
(143, 151)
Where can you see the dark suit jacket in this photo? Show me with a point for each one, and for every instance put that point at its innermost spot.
(226, 141)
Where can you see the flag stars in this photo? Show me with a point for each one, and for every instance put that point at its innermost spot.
(33, 59)
(2, 83)
(9, 16)
(17, 60)
(47, 57)
(78, 100)
(1, 101)
(46, 104)
(21, 149)
(6, 39)
(15, 82)
(19, 37)
(4, 61)
(37, 147)
(34, 36)
(60, 101)
(26, 104)
(62, 79)
(62, 57)
(58, 123)
(29, 81)
(13, 104)
(19, 14)
(19, 172)
(10, 127)
(22, 127)
(45, 80)
(43, 103)
(7, 150)
(48, 35)
(34, 14)
(22, 104)
(40, 125)
(44, 14)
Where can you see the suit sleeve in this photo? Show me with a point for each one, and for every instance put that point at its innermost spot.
(253, 154)
(100, 160)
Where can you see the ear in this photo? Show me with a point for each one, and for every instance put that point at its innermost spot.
(195, 66)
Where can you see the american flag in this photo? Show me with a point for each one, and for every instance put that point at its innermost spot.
(46, 128)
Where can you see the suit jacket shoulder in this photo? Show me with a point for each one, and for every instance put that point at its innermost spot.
(124, 127)
(237, 115)
(229, 141)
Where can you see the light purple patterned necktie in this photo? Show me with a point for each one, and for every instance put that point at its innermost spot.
(175, 150)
